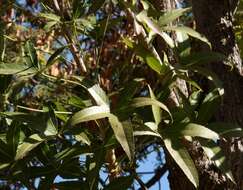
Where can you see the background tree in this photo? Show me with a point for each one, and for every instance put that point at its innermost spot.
(89, 88)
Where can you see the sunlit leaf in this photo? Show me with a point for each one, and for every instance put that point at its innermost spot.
(142, 17)
(88, 114)
(183, 159)
(15, 68)
(99, 95)
(29, 144)
(190, 32)
(156, 109)
(50, 16)
(123, 135)
(172, 15)
(82, 137)
(143, 101)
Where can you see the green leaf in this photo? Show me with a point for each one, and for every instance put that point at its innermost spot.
(128, 129)
(209, 106)
(128, 92)
(91, 113)
(148, 129)
(171, 16)
(13, 137)
(226, 129)
(215, 153)
(123, 135)
(15, 68)
(100, 112)
(29, 144)
(190, 32)
(201, 58)
(4, 165)
(31, 53)
(147, 56)
(5, 153)
(72, 152)
(142, 17)
(99, 95)
(40, 122)
(50, 17)
(53, 57)
(50, 128)
(190, 129)
(153, 63)
(143, 101)
(71, 185)
(82, 137)
(49, 25)
(210, 76)
(156, 109)
(183, 159)
(96, 5)
(120, 183)
(2, 42)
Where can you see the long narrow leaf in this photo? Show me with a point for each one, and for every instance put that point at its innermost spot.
(88, 114)
(183, 159)
(142, 17)
(143, 101)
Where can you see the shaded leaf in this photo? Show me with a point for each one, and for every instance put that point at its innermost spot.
(215, 153)
(120, 183)
(209, 105)
(190, 129)
(53, 57)
(201, 58)
(71, 185)
(226, 129)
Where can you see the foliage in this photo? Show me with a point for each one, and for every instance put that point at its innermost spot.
(85, 85)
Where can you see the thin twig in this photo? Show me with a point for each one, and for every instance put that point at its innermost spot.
(43, 111)
(158, 174)
(141, 183)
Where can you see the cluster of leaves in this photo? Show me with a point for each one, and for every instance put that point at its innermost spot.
(79, 123)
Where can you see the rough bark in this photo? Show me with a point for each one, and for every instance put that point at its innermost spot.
(214, 20)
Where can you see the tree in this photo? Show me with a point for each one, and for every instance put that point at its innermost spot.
(88, 88)
(219, 17)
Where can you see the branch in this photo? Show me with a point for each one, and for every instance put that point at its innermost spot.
(67, 35)
(158, 174)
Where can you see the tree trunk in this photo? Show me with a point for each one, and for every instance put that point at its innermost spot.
(214, 20)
